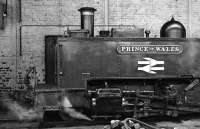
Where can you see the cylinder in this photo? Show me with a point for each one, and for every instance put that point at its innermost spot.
(87, 19)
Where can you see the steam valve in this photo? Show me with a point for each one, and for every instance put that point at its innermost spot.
(147, 33)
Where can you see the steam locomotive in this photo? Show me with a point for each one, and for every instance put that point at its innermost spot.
(111, 75)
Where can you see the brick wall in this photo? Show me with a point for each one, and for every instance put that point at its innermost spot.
(51, 17)
(147, 13)
(8, 51)
(58, 12)
(195, 13)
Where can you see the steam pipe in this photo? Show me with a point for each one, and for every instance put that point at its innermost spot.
(20, 40)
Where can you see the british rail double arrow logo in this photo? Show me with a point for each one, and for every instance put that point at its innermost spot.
(150, 65)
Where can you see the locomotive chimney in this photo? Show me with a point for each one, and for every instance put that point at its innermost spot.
(87, 19)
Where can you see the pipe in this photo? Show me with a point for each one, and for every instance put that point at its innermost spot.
(106, 14)
(20, 28)
(20, 11)
(70, 25)
(20, 40)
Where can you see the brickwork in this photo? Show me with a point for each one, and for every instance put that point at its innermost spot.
(147, 13)
(51, 17)
(8, 41)
(7, 72)
(140, 13)
(195, 26)
(58, 12)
